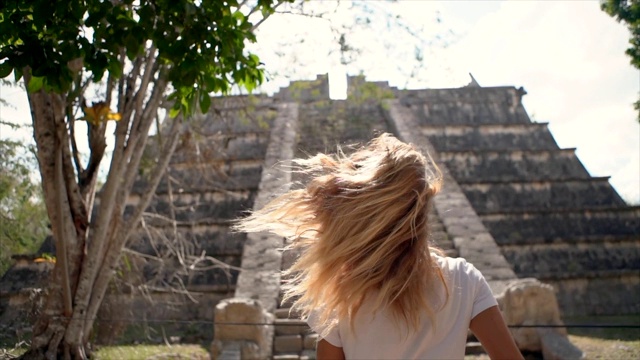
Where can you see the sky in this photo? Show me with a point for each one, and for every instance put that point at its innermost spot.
(568, 55)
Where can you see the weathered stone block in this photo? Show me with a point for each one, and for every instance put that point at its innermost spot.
(310, 341)
(530, 302)
(245, 320)
(556, 346)
(291, 327)
(308, 355)
(287, 343)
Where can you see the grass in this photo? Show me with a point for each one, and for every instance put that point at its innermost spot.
(133, 352)
(600, 343)
(152, 352)
(607, 343)
(597, 348)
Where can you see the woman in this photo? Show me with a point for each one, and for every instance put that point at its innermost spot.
(366, 278)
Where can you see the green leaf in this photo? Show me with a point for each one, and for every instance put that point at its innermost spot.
(132, 45)
(5, 69)
(205, 101)
(115, 68)
(174, 112)
(35, 84)
(238, 15)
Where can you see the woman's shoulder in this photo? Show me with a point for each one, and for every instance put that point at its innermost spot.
(455, 265)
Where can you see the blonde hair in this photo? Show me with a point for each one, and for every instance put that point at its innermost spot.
(361, 224)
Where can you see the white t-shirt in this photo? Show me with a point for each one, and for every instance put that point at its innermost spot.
(378, 336)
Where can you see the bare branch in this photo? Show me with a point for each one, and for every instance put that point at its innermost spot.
(156, 175)
(121, 80)
(74, 146)
(118, 240)
(255, 26)
(136, 150)
(146, 77)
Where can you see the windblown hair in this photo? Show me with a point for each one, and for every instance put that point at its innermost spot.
(361, 224)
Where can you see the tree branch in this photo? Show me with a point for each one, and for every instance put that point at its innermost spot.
(74, 146)
(254, 27)
(121, 236)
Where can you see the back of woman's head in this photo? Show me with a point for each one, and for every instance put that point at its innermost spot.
(362, 226)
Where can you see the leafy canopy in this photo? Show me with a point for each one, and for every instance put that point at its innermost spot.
(201, 42)
(627, 11)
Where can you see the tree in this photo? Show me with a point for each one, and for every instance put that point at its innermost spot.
(628, 11)
(147, 49)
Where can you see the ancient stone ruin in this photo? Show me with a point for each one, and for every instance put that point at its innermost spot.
(513, 203)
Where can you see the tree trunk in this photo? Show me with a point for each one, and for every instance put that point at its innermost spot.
(68, 223)
(87, 253)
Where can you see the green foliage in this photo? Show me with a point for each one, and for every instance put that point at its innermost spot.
(199, 43)
(23, 217)
(628, 11)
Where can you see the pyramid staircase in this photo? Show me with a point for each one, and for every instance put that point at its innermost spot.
(323, 125)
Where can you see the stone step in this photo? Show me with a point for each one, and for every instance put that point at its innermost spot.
(237, 120)
(471, 106)
(225, 175)
(486, 166)
(291, 327)
(474, 348)
(569, 260)
(302, 355)
(217, 241)
(532, 136)
(197, 209)
(286, 357)
(550, 195)
(250, 146)
(285, 313)
(294, 344)
(559, 227)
